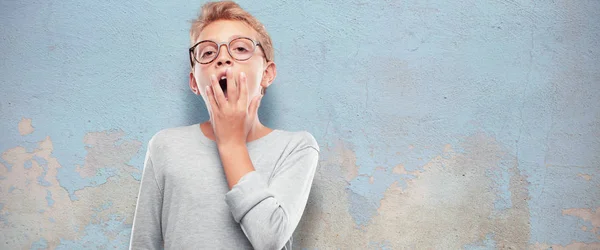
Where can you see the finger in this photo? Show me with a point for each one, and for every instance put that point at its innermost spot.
(218, 92)
(232, 93)
(253, 109)
(243, 89)
(211, 99)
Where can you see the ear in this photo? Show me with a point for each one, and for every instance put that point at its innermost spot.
(193, 84)
(269, 74)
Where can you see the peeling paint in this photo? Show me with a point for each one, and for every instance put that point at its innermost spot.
(25, 127)
(24, 201)
(586, 177)
(592, 216)
(440, 203)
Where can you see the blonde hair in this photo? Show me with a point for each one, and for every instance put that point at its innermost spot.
(228, 10)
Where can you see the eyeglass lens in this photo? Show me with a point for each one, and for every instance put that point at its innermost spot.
(240, 49)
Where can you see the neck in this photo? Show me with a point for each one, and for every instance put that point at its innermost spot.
(257, 131)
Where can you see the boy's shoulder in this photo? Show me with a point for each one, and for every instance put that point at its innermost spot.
(173, 134)
(300, 138)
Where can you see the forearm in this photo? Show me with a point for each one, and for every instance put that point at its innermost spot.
(270, 208)
(236, 162)
(267, 225)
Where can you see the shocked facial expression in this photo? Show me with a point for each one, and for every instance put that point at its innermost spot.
(229, 44)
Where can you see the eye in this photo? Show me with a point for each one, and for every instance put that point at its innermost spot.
(207, 54)
(240, 49)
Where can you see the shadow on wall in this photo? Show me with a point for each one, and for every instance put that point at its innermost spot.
(266, 109)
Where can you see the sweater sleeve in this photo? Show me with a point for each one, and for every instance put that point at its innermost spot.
(270, 209)
(146, 232)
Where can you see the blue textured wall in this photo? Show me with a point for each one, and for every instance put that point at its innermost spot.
(442, 124)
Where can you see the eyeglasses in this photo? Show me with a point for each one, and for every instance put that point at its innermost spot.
(205, 52)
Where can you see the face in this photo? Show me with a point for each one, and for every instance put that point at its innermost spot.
(259, 72)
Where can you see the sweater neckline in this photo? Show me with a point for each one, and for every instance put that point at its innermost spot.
(213, 144)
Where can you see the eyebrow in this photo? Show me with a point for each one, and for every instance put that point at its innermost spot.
(229, 39)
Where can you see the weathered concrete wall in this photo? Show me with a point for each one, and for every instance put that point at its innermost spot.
(442, 124)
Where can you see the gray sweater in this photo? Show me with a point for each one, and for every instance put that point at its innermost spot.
(184, 201)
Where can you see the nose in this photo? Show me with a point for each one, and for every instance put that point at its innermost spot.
(224, 57)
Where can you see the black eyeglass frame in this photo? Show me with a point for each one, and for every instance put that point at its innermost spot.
(227, 44)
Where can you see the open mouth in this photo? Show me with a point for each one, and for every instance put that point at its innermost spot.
(223, 84)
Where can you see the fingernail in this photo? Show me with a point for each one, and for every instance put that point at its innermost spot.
(207, 89)
(213, 77)
(243, 75)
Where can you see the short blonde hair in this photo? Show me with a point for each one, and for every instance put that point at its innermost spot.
(229, 10)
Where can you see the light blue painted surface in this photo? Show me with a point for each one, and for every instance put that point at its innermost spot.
(487, 243)
(41, 244)
(393, 82)
(49, 198)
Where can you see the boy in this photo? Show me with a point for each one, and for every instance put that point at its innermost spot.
(230, 182)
